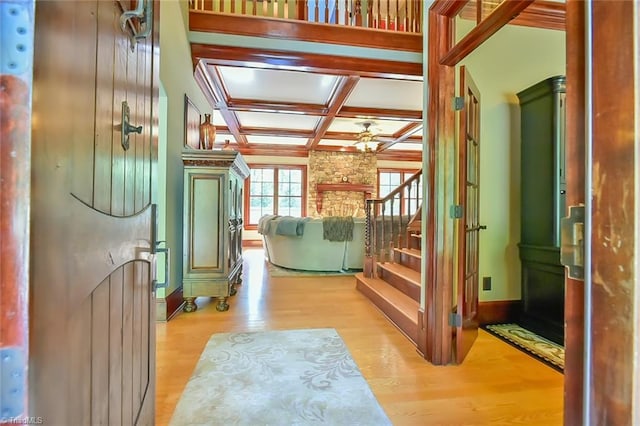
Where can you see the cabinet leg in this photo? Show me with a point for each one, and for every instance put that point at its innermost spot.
(190, 305)
(222, 304)
(232, 289)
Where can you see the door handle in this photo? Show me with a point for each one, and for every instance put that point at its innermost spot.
(482, 227)
(155, 249)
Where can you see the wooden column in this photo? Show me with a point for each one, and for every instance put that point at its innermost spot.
(613, 379)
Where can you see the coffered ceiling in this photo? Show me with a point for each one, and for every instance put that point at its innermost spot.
(288, 110)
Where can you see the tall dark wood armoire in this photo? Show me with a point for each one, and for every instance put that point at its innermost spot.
(542, 109)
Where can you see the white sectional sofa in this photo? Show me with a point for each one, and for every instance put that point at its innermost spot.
(311, 252)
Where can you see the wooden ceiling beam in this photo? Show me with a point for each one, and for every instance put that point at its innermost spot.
(307, 62)
(548, 15)
(276, 131)
(379, 113)
(211, 85)
(274, 150)
(402, 135)
(500, 16)
(273, 106)
(338, 98)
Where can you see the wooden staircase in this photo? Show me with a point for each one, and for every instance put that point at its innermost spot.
(395, 287)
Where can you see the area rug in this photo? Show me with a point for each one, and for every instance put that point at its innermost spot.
(533, 344)
(278, 271)
(294, 377)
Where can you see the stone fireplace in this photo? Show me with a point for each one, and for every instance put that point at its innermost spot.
(345, 179)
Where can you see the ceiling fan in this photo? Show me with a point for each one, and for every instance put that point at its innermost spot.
(366, 139)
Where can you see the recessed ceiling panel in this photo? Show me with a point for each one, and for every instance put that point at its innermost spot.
(276, 140)
(406, 146)
(277, 85)
(354, 125)
(217, 119)
(387, 93)
(275, 120)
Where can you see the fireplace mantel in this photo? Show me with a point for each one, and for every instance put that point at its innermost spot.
(367, 190)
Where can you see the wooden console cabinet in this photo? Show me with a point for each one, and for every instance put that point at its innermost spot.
(542, 108)
(212, 239)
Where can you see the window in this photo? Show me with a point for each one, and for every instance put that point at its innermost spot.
(277, 190)
(390, 179)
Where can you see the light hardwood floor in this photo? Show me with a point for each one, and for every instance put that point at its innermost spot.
(496, 385)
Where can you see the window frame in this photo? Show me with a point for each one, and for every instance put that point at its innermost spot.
(276, 168)
(404, 175)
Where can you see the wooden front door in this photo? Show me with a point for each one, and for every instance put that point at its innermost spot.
(602, 326)
(93, 307)
(468, 223)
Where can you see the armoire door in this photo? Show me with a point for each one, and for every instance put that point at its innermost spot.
(92, 298)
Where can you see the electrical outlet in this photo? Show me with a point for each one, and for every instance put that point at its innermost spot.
(486, 283)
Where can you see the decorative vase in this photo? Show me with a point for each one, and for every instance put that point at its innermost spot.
(207, 133)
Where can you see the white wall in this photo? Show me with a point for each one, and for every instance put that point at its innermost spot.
(176, 76)
(513, 59)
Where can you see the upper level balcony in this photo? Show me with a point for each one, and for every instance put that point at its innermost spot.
(385, 24)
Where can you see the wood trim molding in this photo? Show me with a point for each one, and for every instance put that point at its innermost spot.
(438, 267)
(499, 311)
(297, 61)
(500, 16)
(169, 306)
(575, 155)
(548, 15)
(539, 14)
(287, 29)
(379, 113)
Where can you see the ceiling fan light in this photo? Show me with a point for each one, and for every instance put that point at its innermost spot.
(366, 146)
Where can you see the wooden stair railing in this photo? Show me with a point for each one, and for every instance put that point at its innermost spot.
(389, 221)
(398, 15)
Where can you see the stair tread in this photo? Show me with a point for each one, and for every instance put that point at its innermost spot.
(409, 251)
(402, 271)
(398, 299)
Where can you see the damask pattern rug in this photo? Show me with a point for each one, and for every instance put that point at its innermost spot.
(543, 349)
(293, 377)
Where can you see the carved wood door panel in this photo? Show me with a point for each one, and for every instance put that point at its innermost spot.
(93, 305)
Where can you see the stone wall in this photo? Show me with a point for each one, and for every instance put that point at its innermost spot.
(330, 167)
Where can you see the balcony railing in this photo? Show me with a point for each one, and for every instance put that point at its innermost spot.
(390, 15)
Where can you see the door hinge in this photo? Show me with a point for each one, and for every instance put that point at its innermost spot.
(458, 103)
(455, 211)
(572, 242)
(455, 320)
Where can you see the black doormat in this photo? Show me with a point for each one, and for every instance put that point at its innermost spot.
(540, 348)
